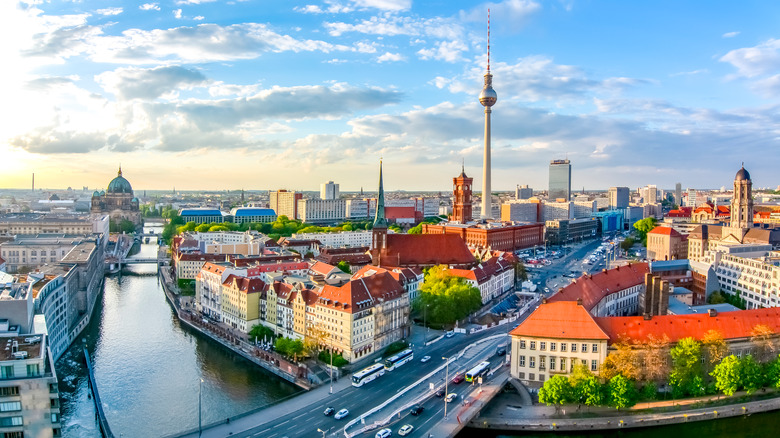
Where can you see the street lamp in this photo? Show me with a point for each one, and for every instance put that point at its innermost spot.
(200, 392)
(446, 387)
(323, 432)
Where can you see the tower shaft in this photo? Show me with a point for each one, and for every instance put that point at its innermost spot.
(487, 198)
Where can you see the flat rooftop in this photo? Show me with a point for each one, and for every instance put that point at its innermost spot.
(80, 253)
(32, 348)
(41, 217)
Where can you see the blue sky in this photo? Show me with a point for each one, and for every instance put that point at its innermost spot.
(265, 94)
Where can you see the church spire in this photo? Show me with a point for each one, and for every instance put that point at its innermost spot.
(120, 171)
(379, 219)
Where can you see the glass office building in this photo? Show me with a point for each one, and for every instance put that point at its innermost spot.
(560, 180)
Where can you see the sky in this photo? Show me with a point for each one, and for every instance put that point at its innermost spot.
(269, 94)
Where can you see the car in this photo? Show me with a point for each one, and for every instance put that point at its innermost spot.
(450, 397)
(406, 429)
(457, 379)
(547, 290)
(384, 433)
(329, 411)
(440, 393)
(450, 334)
(341, 414)
(501, 351)
(425, 359)
(416, 410)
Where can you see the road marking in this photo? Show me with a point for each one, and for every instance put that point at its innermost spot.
(302, 415)
(283, 422)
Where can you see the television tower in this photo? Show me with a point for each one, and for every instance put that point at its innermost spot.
(487, 98)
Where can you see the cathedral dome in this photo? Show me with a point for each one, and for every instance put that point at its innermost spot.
(119, 184)
(742, 174)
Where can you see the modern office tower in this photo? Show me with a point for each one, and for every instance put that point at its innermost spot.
(678, 194)
(649, 194)
(560, 180)
(618, 197)
(329, 190)
(524, 192)
(285, 203)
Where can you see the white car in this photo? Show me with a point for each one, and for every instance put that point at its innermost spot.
(425, 359)
(384, 433)
(341, 414)
(451, 396)
(406, 429)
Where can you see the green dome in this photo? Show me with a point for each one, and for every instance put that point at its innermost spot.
(96, 194)
(119, 184)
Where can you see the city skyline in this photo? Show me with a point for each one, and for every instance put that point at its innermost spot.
(202, 94)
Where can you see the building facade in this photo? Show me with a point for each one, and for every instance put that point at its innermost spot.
(461, 198)
(285, 203)
(560, 180)
(321, 210)
(618, 197)
(329, 190)
(117, 201)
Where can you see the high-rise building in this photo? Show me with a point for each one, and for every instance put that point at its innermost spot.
(560, 180)
(678, 194)
(461, 206)
(649, 194)
(329, 190)
(524, 192)
(487, 98)
(618, 197)
(285, 203)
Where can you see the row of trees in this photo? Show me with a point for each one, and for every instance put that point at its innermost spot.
(690, 368)
(643, 227)
(445, 298)
(719, 297)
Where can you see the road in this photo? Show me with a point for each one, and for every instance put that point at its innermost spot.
(306, 420)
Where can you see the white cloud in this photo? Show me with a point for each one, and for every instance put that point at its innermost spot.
(387, 5)
(193, 2)
(149, 7)
(690, 73)
(109, 11)
(138, 83)
(390, 57)
(177, 13)
(332, 8)
(510, 13)
(198, 17)
(393, 25)
(730, 34)
(448, 51)
(754, 61)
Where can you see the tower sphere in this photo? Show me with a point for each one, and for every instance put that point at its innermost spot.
(488, 96)
(742, 174)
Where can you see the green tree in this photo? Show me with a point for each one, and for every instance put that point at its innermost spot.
(416, 229)
(643, 227)
(261, 332)
(448, 298)
(716, 298)
(347, 227)
(686, 364)
(773, 373)
(521, 274)
(202, 228)
(585, 387)
(752, 374)
(622, 392)
(593, 391)
(649, 391)
(627, 243)
(344, 266)
(555, 391)
(728, 375)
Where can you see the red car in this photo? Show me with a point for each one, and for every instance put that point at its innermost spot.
(457, 379)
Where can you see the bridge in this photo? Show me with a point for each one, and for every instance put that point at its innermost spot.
(141, 260)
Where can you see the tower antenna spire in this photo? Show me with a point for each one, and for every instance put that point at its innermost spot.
(488, 42)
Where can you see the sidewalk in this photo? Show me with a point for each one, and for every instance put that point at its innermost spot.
(280, 408)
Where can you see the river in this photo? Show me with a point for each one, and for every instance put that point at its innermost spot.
(149, 367)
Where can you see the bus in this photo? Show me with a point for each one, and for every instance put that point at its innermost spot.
(398, 359)
(368, 374)
(478, 371)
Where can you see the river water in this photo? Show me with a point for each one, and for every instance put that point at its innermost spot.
(149, 367)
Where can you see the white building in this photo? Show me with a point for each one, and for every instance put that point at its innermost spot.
(208, 289)
(524, 210)
(493, 277)
(343, 239)
(357, 209)
(329, 190)
(583, 209)
(322, 210)
(750, 271)
(37, 250)
(556, 210)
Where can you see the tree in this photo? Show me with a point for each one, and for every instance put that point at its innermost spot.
(752, 374)
(627, 243)
(762, 336)
(624, 361)
(344, 266)
(261, 332)
(448, 298)
(585, 387)
(716, 298)
(555, 391)
(643, 227)
(521, 274)
(686, 364)
(715, 348)
(593, 391)
(649, 391)
(316, 339)
(415, 229)
(622, 392)
(727, 374)
(773, 373)
(656, 353)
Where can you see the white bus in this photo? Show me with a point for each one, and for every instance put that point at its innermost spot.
(478, 371)
(368, 374)
(398, 359)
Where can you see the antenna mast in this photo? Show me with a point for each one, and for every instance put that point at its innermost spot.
(488, 43)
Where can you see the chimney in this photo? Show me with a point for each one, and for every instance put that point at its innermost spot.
(647, 317)
(712, 312)
(604, 271)
(579, 301)
(544, 300)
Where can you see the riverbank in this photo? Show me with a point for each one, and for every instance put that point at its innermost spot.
(268, 360)
(507, 414)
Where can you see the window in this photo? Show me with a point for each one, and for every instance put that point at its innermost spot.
(533, 345)
(594, 348)
(9, 391)
(584, 348)
(33, 370)
(563, 346)
(522, 361)
(573, 348)
(10, 421)
(552, 363)
(522, 345)
(563, 364)
(531, 376)
(532, 361)
(7, 372)
(553, 346)
(594, 365)
(10, 406)
(55, 417)
(543, 345)
(541, 377)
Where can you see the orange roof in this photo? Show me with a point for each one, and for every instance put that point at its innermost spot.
(666, 231)
(561, 320)
(426, 250)
(322, 268)
(593, 288)
(361, 293)
(732, 325)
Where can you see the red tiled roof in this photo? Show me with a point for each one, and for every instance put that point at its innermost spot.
(593, 288)
(425, 250)
(360, 293)
(560, 320)
(666, 231)
(322, 268)
(399, 212)
(732, 325)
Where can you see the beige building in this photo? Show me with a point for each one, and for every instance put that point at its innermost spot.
(38, 223)
(285, 203)
(240, 302)
(665, 243)
(554, 338)
(29, 398)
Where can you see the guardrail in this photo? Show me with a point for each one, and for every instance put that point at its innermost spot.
(105, 430)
